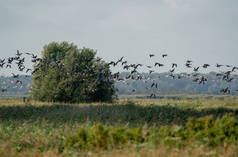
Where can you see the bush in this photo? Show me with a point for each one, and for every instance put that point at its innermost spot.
(68, 74)
(207, 130)
(214, 132)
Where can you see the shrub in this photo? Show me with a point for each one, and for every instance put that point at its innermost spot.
(214, 132)
(206, 130)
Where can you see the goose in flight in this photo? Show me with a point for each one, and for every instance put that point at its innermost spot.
(151, 55)
(164, 55)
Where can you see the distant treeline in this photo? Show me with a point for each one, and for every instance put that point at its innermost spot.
(15, 86)
(166, 84)
(169, 85)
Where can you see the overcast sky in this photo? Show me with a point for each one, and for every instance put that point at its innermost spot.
(205, 31)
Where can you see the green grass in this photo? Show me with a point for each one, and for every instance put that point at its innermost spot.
(135, 127)
(180, 97)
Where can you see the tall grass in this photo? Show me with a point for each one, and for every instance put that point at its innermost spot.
(123, 128)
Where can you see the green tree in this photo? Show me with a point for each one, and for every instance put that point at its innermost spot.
(68, 74)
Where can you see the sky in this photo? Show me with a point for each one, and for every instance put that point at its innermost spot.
(205, 31)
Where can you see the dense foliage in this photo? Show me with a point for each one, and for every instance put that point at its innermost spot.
(69, 74)
(206, 130)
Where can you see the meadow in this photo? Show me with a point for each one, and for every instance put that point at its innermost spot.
(197, 125)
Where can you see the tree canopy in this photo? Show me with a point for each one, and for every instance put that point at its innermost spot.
(69, 74)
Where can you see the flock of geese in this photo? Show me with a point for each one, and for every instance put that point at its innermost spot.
(228, 75)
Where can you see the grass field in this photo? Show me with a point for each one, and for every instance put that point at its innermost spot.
(197, 126)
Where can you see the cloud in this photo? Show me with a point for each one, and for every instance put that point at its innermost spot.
(183, 28)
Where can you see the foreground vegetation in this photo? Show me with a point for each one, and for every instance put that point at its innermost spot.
(198, 127)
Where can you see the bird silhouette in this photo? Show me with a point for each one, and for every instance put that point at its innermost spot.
(124, 62)
(188, 65)
(15, 75)
(158, 64)
(205, 65)
(152, 95)
(18, 53)
(172, 70)
(219, 65)
(164, 55)
(203, 80)
(154, 85)
(196, 69)
(196, 80)
(234, 68)
(225, 90)
(4, 90)
(18, 81)
(151, 55)
(27, 70)
(174, 65)
(8, 66)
